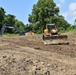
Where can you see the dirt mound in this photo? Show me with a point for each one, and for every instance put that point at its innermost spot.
(27, 55)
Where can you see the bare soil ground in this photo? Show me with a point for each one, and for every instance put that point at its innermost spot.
(27, 55)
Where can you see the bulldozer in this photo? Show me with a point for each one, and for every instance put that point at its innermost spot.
(52, 36)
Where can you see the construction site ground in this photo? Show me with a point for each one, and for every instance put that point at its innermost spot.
(27, 55)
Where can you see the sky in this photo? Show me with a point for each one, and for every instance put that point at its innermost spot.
(22, 8)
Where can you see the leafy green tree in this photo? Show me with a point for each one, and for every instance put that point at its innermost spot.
(2, 15)
(44, 12)
(75, 21)
(20, 25)
(61, 23)
(10, 19)
(28, 27)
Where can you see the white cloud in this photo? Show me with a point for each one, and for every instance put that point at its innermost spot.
(72, 9)
(65, 14)
(62, 1)
(68, 11)
(72, 6)
(71, 13)
(59, 5)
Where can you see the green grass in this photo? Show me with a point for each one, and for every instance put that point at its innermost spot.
(71, 31)
(7, 34)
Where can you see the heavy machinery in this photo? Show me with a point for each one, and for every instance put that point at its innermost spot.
(51, 36)
(29, 33)
(10, 26)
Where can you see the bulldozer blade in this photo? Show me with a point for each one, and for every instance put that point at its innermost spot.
(56, 37)
(55, 40)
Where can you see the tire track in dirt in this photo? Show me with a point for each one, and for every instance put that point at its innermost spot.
(39, 53)
(67, 50)
(28, 56)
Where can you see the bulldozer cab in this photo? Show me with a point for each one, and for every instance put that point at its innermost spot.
(50, 27)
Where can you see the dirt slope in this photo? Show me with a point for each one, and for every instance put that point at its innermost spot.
(27, 55)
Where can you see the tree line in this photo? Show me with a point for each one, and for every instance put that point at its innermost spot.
(10, 19)
(44, 12)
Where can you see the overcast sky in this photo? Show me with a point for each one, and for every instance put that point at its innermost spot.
(22, 8)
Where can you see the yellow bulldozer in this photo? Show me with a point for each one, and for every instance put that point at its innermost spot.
(51, 36)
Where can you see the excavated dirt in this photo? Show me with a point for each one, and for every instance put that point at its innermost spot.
(27, 55)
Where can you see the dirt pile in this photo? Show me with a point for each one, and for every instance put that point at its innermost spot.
(27, 55)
